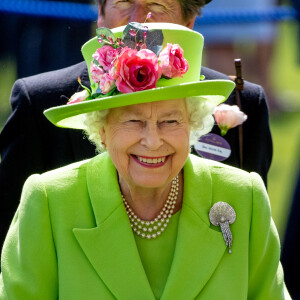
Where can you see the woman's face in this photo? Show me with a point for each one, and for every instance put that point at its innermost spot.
(148, 143)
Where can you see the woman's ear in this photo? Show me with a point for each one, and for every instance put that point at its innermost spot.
(190, 23)
(100, 20)
(103, 136)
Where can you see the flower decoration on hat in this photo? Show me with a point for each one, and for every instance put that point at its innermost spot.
(132, 63)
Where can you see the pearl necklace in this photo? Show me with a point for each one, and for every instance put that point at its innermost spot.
(154, 228)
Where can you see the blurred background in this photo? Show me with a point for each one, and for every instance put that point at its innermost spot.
(36, 38)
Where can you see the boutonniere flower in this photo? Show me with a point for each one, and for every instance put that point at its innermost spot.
(79, 97)
(228, 116)
(132, 63)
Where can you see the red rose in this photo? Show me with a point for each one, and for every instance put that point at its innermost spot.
(136, 70)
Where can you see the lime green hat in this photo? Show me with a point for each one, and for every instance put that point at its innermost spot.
(152, 62)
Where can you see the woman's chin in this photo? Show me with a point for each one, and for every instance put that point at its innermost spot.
(150, 175)
(150, 180)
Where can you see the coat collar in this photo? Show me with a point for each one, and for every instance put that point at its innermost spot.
(111, 248)
(199, 248)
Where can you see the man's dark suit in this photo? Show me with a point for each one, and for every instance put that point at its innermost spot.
(291, 247)
(29, 143)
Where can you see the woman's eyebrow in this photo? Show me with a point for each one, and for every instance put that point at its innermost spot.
(167, 3)
(140, 114)
(131, 114)
(172, 113)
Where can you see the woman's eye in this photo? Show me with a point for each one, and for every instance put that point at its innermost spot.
(122, 3)
(156, 4)
(134, 122)
(157, 7)
(170, 122)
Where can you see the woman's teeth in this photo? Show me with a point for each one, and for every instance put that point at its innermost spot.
(151, 160)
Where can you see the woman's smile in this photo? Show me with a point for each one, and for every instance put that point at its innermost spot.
(151, 162)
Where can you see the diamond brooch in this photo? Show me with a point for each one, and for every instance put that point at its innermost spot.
(222, 214)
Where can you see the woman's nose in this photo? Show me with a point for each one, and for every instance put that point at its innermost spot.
(152, 138)
(138, 14)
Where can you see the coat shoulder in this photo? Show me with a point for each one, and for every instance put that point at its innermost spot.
(45, 90)
(250, 88)
(63, 178)
(76, 174)
(57, 79)
(225, 175)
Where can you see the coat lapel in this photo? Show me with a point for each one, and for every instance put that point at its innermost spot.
(199, 248)
(111, 247)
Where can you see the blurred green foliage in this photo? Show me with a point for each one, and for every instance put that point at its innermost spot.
(285, 75)
(7, 78)
(282, 175)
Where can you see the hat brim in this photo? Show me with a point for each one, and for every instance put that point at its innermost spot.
(70, 116)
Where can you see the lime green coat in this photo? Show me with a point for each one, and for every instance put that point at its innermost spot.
(71, 239)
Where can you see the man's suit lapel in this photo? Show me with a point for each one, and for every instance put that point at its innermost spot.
(82, 148)
(84, 77)
(199, 248)
(232, 135)
(111, 247)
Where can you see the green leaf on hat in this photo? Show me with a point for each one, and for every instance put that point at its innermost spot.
(84, 87)
(107, 37)
(99, 94)
(154, 38)
(96, 62)
(130, 40)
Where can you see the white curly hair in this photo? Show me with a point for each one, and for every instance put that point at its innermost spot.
(200, 112)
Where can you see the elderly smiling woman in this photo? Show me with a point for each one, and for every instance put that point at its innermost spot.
(144, 219)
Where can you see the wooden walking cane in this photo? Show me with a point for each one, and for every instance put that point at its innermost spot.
(239, 81)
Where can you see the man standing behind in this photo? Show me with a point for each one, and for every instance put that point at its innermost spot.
(29, 143)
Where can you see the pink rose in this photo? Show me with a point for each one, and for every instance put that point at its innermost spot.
(105, 56)
(172, 62)
(107, 83)
(136, 70)
(228, 116)
(96, 73)
(78, 97)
